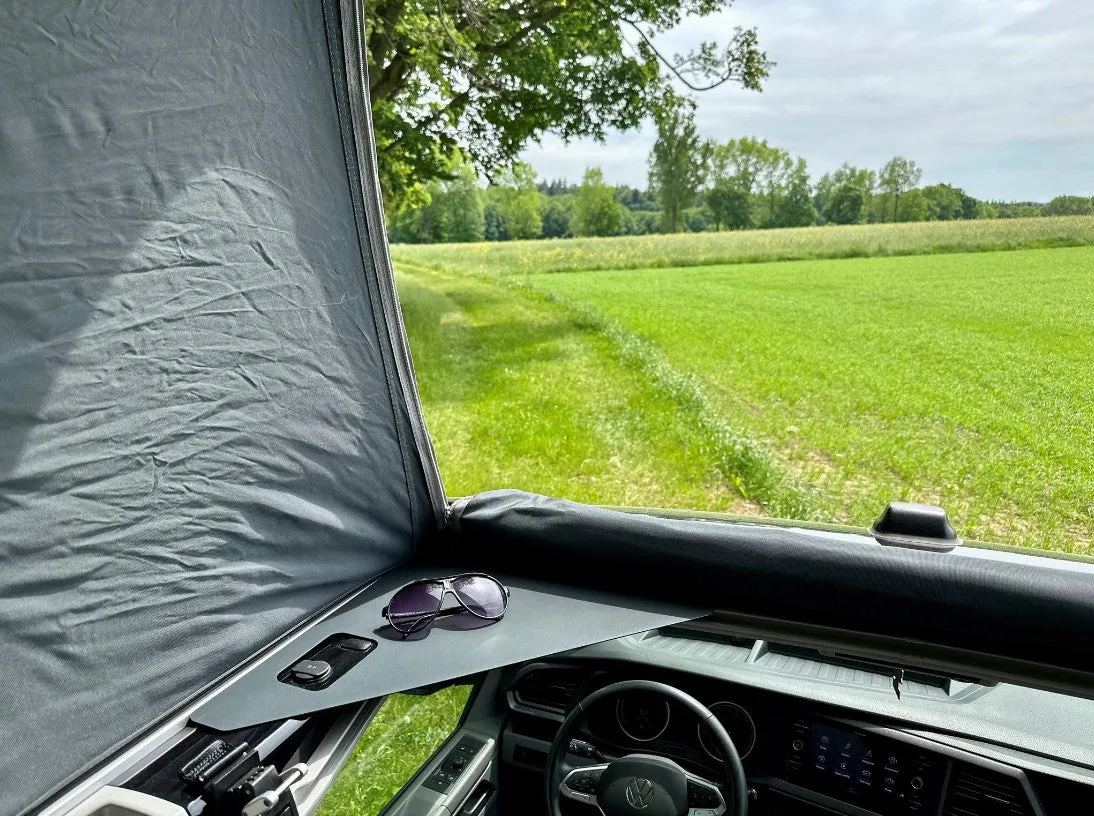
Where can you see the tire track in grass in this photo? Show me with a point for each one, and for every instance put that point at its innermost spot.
(521, 395)
(742, 462)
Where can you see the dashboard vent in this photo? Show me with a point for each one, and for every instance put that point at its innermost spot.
(979, 792)
(552, 689)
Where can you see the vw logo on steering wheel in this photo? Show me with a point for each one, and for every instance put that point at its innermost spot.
(639, 793)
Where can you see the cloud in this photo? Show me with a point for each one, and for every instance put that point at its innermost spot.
(994, 97)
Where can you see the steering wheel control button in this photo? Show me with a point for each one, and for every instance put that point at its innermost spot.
(582, 783)
(310, 671)
(700, 796)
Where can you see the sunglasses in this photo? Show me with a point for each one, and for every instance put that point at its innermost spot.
(416, 605)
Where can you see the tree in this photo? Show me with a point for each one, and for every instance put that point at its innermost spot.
(556, 216)
(459, 207)
(696, 219)
(861, 177)
(596, 212)
(489, 77)
(675, 167)
(775, 168)
(494, 226)
(1017, 209)
(985, 209)
(846, 205)
(753, 165)
(739, 161)
(518, 201)
(897, 177)
(406, 228)
(1069, 205)
(796, 206)
(913, 207)
(945, 203)
(452, 210)
(729, 205)
(643, 222)
(970, 207)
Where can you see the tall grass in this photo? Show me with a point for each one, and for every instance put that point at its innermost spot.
(708, 248)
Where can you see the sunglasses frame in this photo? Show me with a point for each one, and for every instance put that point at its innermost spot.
(446, 587)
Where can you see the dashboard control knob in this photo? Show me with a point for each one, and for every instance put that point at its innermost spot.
(916, 783)
(797, 745)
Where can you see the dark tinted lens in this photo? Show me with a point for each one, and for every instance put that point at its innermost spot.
(483, 596)
(412, 603)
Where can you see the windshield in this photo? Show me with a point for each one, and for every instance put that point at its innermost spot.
(630, 277)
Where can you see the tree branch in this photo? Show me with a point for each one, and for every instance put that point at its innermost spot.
(462, 98)
(379, 40)
(535, 23)
(668, 63)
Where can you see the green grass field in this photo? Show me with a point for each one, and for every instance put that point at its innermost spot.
(960, 380)
(820, 389)
(752, 246)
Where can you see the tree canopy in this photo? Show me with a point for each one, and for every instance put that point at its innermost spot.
(518, 201)
(1069, 205)
(897, 177)
(489, 76)
(736, 193)
(729, 205)
(846, 205)
(596, 212)
(676, 166)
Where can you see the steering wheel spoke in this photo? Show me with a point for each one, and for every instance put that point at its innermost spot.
(580, 784)
(704, 797)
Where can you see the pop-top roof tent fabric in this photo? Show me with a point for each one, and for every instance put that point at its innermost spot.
(204, 436)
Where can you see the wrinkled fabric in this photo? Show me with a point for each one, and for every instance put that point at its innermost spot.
(199, 440)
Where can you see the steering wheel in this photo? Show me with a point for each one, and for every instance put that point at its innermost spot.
(644, 784)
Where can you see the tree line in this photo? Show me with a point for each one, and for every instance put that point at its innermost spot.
(694, 186)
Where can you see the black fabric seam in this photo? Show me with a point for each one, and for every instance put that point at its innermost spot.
(332, 18)
(389, 294)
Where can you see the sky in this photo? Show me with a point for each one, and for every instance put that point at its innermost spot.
(994, 96)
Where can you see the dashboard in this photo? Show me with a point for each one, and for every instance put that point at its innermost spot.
(800, 755)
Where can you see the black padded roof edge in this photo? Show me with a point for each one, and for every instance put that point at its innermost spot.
(1023, 608)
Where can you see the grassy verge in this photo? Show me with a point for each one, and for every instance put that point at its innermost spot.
(521, 391)
(752, 246)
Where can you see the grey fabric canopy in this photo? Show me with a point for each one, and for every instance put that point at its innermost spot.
(207, 432)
